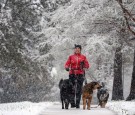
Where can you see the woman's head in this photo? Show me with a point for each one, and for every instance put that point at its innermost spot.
(77, 49)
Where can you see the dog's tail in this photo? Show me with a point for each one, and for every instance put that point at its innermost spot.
(60, 83)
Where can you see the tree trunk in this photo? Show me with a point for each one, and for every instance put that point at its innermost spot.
(132, 88)
(117, 93)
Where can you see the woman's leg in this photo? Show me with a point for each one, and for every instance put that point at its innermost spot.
(72, 91)
(80, 80)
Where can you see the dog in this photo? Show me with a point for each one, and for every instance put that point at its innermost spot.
(87, 92)
(65, 87)
(102, 96)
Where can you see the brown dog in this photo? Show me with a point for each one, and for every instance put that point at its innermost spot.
(87, 93)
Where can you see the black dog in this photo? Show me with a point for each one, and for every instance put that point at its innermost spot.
(103, 96)
(65, 87)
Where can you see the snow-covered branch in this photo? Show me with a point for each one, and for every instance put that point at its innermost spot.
(128, 16)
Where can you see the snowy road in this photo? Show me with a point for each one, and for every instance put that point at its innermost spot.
(56, 110)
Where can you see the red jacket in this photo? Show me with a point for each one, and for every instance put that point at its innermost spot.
(73, 63)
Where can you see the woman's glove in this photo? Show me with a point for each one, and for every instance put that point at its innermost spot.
(67, 69)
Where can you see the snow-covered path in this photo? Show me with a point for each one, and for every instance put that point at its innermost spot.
(56, 110)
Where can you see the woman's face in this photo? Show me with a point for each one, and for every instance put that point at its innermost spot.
(77, 50)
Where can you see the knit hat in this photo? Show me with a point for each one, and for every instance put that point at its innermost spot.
(78, 46)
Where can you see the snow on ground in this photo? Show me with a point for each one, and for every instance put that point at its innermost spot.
(122, 107)
(54, 108)
(23, 108)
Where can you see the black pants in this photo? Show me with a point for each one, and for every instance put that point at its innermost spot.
(79, 80)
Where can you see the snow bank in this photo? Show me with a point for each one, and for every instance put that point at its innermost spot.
(122, 107)
(23, 108)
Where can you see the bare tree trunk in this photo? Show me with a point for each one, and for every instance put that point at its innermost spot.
(117, 93)
(132, 89)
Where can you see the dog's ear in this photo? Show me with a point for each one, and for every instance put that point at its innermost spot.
(61, 80)
(60, 83)
(94, 83)
(107, 91)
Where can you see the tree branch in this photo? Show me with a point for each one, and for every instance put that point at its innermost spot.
(128, 16)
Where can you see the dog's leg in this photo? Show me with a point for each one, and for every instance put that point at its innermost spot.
(89, 102)
(103, 104)
(84, 103)
(66, 103)
(62, 103)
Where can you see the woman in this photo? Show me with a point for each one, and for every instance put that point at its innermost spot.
(75, 65)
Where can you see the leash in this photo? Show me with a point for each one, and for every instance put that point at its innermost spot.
(93, 78)
(75, 90)
(75, 83)
(85, 80)
(82, 68)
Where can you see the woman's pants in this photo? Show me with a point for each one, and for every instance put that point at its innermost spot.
(76, 79)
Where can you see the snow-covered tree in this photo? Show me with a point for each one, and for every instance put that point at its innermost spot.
(21, 77)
